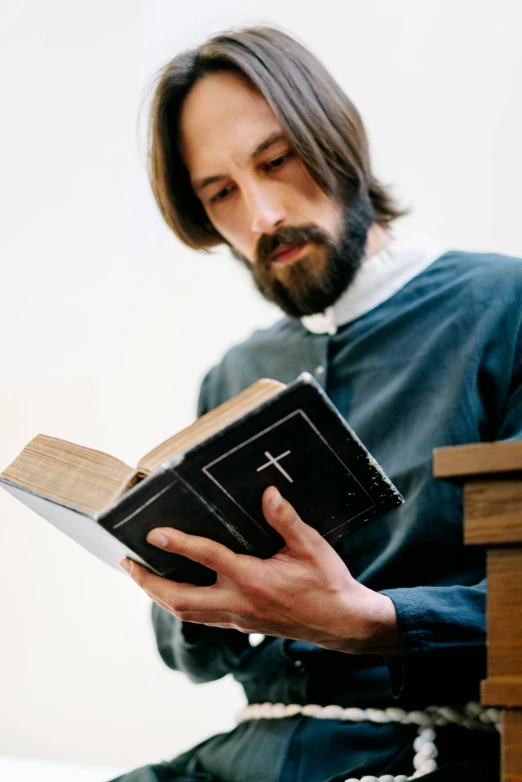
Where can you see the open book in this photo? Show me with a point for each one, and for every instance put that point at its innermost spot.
(209, 478)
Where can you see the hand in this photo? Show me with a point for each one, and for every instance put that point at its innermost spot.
(304, 592)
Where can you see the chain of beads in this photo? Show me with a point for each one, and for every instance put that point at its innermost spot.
(472, 716)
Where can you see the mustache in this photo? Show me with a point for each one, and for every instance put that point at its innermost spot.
(289, 235)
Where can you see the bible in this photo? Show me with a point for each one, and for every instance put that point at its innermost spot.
(208, 480)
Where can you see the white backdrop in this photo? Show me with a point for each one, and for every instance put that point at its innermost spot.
(105, 316)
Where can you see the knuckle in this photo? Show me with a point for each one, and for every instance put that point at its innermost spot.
(209, 557)
(258, 591)
(287, 510)
(178, 604)
(177, 608)
(246, 612)
(252, 585)
(289, 518)
(139, 576)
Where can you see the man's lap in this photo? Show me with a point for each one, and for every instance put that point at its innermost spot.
(306, 750)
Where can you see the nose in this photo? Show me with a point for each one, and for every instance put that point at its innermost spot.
(265, 210)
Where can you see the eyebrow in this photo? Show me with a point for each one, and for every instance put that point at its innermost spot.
(200, 184)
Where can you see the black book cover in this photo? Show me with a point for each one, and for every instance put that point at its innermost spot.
(297, 441)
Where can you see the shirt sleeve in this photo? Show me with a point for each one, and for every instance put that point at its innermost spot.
(443, 636)
(203, 653)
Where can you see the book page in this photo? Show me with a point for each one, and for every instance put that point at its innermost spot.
(62, 471)
(211, 422)
(83, 529)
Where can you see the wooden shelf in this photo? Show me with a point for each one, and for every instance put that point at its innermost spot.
(502, 692)
(491, 474)
(477, 459)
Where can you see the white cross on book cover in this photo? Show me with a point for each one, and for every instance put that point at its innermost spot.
(299, 460)
(209, 480)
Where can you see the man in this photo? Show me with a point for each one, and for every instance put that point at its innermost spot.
(254, 145)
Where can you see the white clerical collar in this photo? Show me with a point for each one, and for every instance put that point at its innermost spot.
(378, 279)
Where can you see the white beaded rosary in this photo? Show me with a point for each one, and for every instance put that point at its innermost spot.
(472, 716)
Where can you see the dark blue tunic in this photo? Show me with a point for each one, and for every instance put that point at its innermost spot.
(439, 363)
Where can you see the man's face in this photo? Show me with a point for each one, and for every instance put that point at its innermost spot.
(302, 247)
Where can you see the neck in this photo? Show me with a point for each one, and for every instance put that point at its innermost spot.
(378, 238)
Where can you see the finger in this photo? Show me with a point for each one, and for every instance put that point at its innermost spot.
(229, 622)
(202, 550)
(176, 597)
(283, 517)
(216, 619)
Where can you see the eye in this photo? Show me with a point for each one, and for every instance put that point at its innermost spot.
(221, 194)
(278, 161)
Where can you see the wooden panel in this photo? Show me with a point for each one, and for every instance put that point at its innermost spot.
(512, 746)
(493, 511)
(477, 459)
(504, 612)
(502, 692)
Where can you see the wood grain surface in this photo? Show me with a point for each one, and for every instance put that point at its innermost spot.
(502, 692)
(493, 511)
(504, 612)
(477, 459)
(512, 746)
(492, 478)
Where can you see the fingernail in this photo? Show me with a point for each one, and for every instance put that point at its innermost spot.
(157, 539)
(126, 565)
(274, 498)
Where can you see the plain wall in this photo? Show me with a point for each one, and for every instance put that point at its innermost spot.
(108, 323)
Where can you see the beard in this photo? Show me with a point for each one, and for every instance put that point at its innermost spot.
(307, 286)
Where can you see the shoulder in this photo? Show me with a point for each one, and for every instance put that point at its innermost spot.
(479, 269)
(264, 354)
(468, 282)
(478, 293)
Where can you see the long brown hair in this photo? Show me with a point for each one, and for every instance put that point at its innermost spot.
(320, 121)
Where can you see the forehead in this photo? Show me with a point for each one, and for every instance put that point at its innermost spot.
(222, 121)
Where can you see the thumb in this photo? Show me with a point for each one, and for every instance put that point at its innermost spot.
(284, 519)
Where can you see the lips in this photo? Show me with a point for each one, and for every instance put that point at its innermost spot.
(286, 253)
